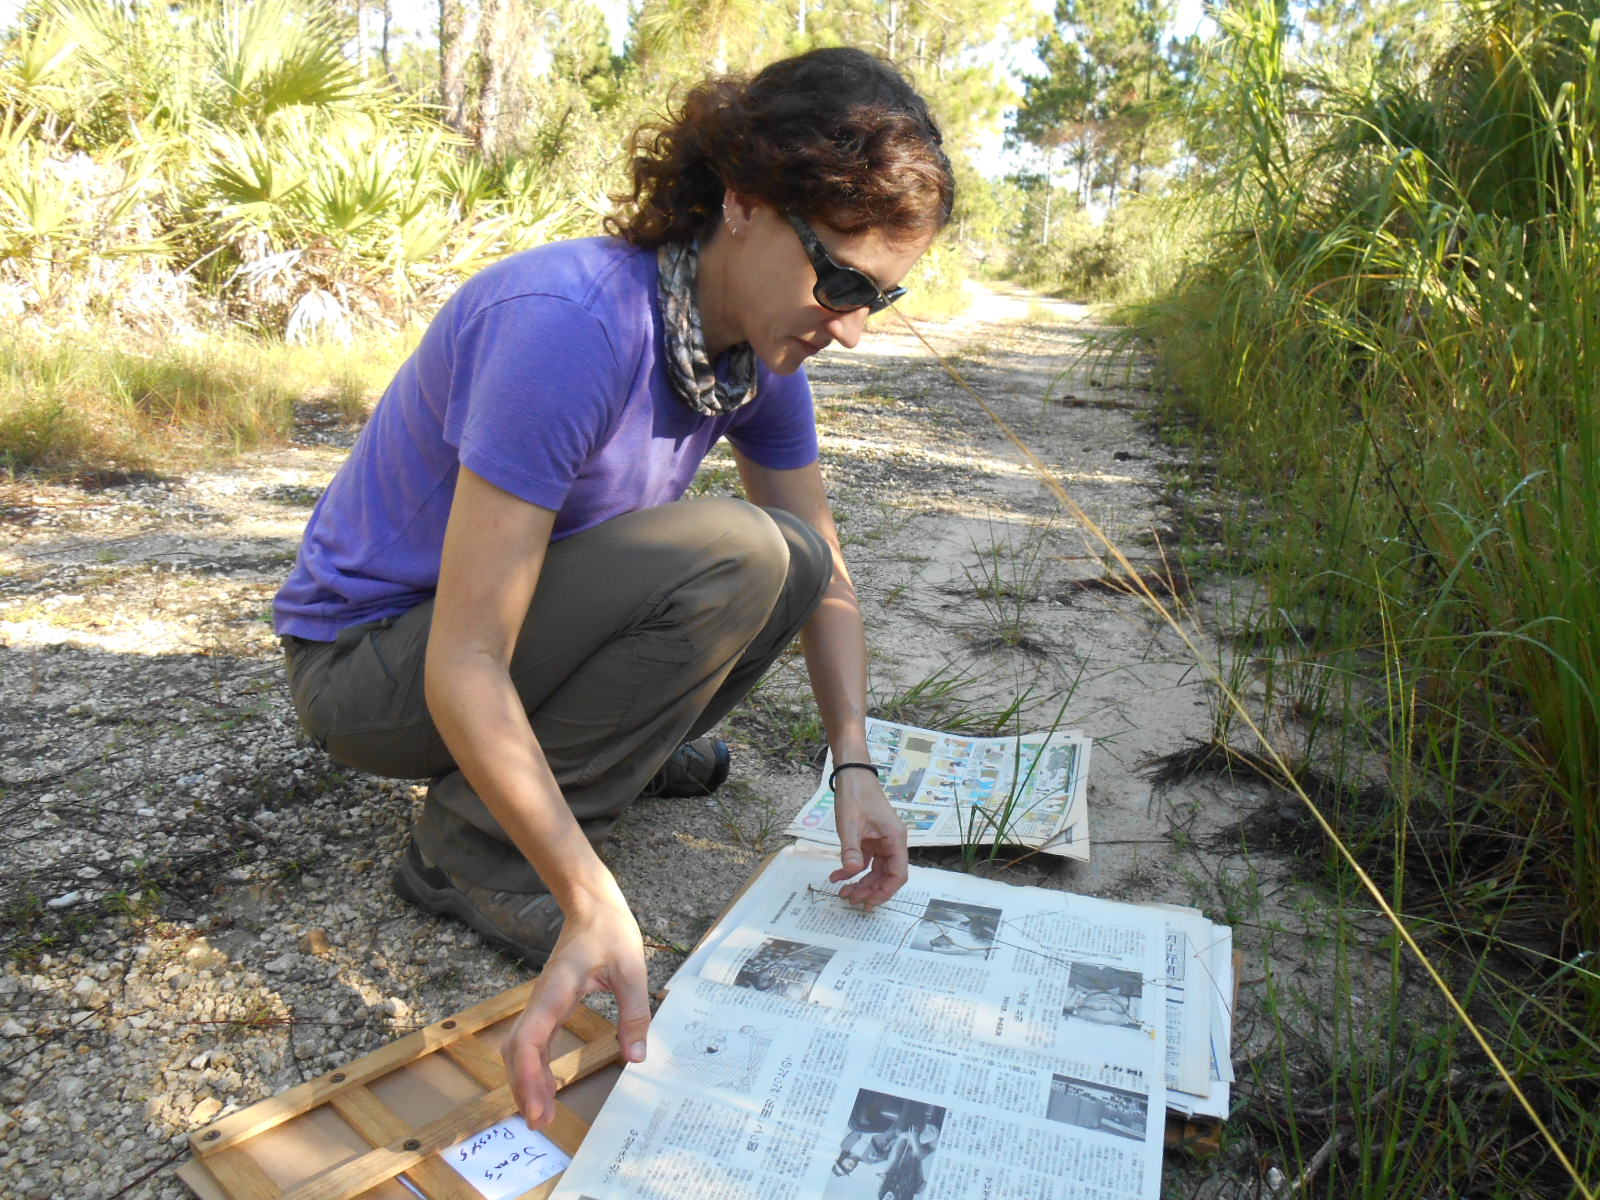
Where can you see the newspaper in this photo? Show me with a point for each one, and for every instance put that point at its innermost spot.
(969, 1039)
(1028, 790)
(1199, 1013)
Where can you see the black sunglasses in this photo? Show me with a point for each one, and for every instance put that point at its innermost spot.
(839, 288)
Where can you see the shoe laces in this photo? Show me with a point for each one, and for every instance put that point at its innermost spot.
(538, 902)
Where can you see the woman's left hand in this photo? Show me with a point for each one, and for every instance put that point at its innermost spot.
(872, 838)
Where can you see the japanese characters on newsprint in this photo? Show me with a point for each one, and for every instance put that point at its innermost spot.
(1027, 790)
(968, 1040)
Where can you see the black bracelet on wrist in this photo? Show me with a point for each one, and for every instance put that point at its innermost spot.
(834, 774)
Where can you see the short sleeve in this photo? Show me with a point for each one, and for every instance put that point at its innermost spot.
(778, 429)
(533, 384)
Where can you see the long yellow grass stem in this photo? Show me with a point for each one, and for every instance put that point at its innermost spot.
(1138, 583)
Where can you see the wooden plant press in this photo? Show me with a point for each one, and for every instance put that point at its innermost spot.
(375, 1127)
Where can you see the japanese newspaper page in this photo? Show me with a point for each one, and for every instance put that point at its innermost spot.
(969, 1039)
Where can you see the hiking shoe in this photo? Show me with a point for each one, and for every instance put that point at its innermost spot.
(696, 768)
(523, 924)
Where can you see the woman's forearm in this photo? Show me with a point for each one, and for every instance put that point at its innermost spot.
(493, 552)
(872, 838)
(835, 647)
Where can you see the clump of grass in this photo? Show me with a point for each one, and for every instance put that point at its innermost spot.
(1005, 579)
(988, 830)
(779, 716)
(953, 699)
(750, 817)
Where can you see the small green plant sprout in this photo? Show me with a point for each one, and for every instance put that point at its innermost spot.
(953, 699)
(779, 717)
(750, 817)
(1005, 581)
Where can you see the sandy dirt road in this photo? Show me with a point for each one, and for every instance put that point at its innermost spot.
(195, 901)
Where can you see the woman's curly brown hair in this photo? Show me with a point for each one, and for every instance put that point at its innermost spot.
(836, 135)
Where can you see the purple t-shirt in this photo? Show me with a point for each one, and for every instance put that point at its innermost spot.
(544, 375)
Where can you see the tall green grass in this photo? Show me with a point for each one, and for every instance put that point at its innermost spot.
(1403, 355)
(1393, 345)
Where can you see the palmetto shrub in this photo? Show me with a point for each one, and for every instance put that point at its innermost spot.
(238, 151)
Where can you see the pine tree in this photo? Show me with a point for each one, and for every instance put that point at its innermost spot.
(1107, 69)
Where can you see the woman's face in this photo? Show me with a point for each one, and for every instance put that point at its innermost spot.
(767, 290)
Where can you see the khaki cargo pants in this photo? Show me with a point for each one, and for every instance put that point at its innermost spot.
(644, 631)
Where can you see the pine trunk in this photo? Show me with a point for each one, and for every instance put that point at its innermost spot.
(492, 42)
(458, 32)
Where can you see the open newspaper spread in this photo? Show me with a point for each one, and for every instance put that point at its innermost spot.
(1027, 790)
(969, 1039)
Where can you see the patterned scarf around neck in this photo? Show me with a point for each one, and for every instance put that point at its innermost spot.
(690, 370)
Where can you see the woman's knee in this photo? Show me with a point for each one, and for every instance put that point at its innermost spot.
(751, 542)
(810, 561)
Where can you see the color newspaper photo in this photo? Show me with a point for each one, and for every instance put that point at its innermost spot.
(1026, 790)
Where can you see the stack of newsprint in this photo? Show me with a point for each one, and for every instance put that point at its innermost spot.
(969, 1039)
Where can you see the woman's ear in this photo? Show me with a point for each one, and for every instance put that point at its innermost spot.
(737, 211)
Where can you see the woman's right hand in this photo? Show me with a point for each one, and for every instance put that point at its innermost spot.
(599, 950)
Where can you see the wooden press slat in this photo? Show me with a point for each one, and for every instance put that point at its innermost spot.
(586, 1060)
(566, 1130)
(237, 1174)
(477, 1060)
(258, 1118)
(380, 1124)
(359, 1174)
(588, 1024)
(371, 1117)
